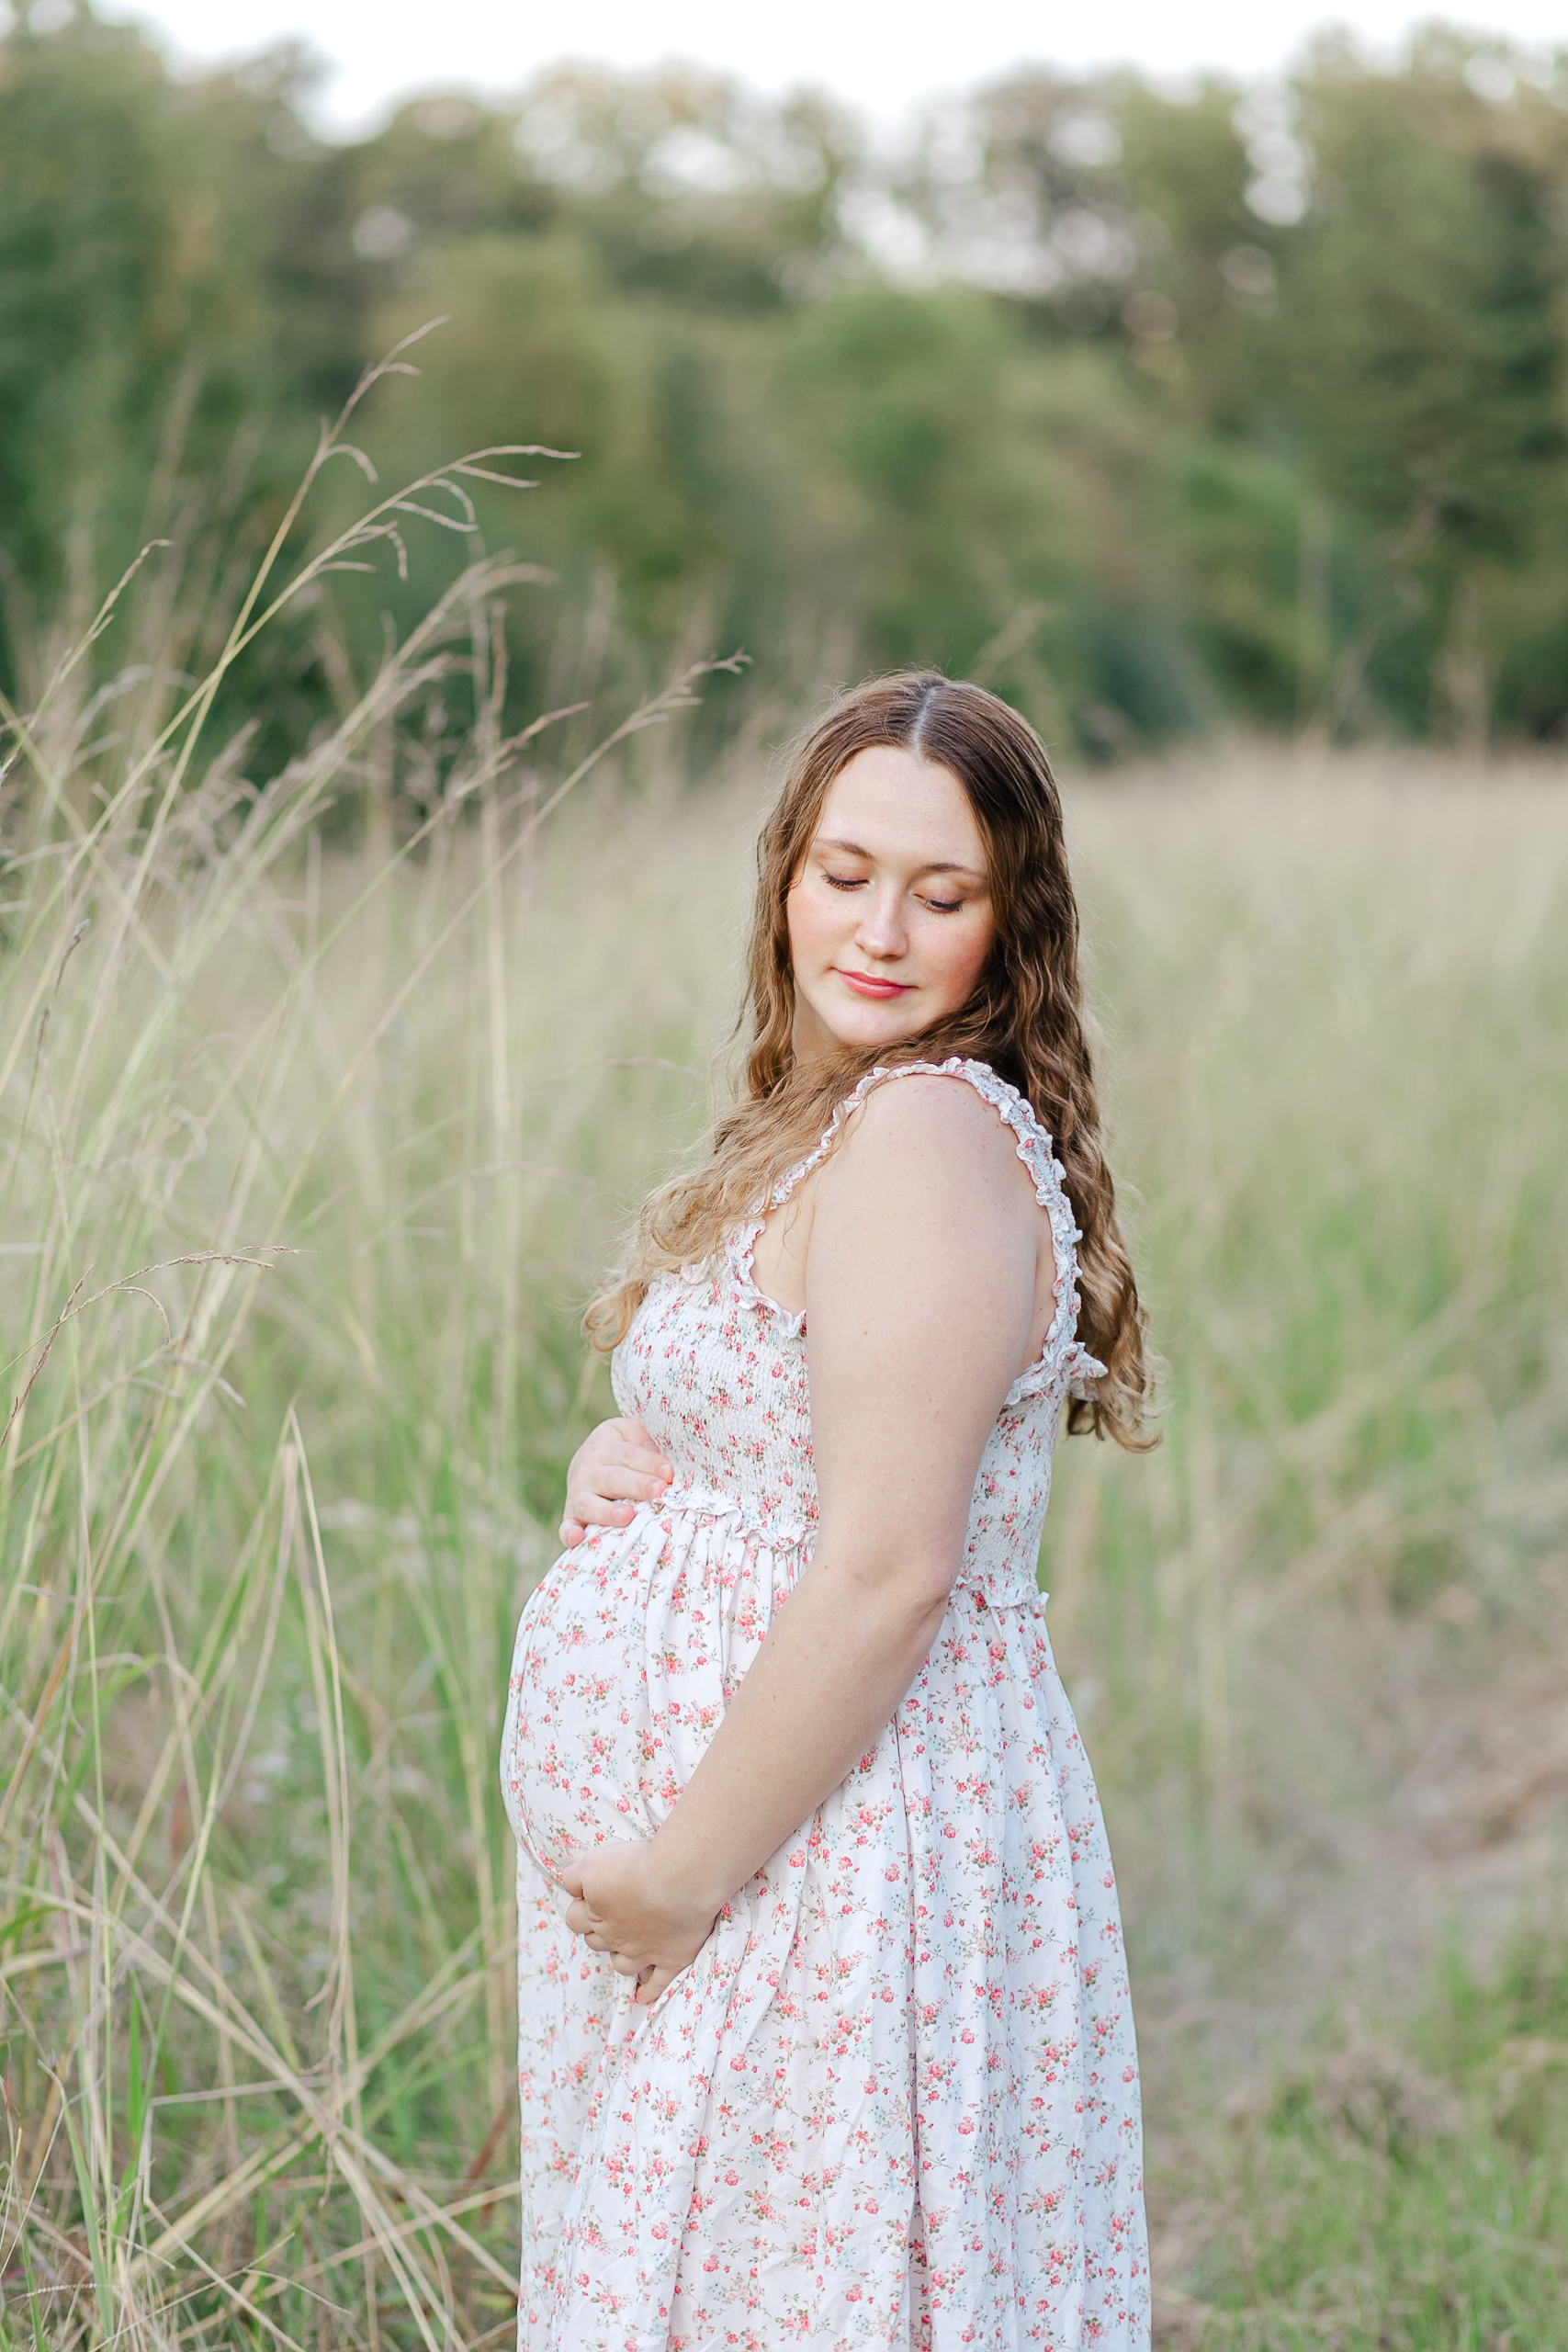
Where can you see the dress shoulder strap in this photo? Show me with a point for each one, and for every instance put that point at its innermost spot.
(1061, 1351)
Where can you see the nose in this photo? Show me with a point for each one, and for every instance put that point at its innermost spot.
(880, 931)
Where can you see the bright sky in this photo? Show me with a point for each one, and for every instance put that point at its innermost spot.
(880, 57)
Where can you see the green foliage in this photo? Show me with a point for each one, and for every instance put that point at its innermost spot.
(117, 278)
(911, 402)
(1239, 515)
(1433, 387)
(1251, 405)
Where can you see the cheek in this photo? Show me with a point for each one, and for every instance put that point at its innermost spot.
(809, 914)
(961, 956)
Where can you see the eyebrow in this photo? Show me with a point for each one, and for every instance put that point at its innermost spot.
(938, 866)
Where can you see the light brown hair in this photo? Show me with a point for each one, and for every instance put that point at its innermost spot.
(1025, 1019)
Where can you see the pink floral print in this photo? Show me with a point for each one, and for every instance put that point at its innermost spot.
(893, 2103)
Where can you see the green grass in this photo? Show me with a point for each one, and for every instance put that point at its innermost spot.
(323, 1100)
(1389, 2195)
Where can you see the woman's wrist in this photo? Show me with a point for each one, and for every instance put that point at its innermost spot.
(687, 1878)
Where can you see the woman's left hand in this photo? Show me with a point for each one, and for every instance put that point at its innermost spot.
(625, 1905)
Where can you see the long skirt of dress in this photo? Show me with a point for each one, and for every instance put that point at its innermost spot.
(892, 2103)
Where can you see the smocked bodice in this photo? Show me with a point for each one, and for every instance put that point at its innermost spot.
(716, 1373)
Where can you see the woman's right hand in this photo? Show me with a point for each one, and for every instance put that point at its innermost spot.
(615, 1467)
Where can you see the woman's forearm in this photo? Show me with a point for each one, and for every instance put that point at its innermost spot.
(836, 1660)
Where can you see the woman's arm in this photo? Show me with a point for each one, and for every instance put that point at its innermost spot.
(919, 1293)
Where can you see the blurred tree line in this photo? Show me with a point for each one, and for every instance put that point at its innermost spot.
(1155, 411)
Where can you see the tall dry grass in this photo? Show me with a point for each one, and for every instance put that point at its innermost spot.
(323, 1100)
(257, 1908)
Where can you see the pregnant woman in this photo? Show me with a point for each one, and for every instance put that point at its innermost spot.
(824, 2021)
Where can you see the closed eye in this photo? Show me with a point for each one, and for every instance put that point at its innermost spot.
(857, 882)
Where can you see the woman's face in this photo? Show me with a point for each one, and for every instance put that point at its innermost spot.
(890, 914)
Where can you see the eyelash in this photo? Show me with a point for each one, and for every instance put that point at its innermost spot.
(854, 882)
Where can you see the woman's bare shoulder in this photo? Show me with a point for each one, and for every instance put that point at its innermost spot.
(935, 1124)
(926, 1235)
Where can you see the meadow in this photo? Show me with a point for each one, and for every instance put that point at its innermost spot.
(324, 1099)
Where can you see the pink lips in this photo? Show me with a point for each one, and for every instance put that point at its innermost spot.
(863, 984)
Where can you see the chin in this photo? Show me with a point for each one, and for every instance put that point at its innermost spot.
(873, 1026)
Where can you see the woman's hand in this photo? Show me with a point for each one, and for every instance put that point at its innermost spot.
(615, 1467)
(628, 1907)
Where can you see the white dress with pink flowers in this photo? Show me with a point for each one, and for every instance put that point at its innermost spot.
(892, 2103)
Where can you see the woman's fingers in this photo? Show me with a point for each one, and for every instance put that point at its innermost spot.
(610, 1499)
(625, 1431)
(632, 1475)
(616, 1466)
(623, 1480)
(626, 1918)
(623, 1446)
(583, 1511)
(598, 1938)
(614, 1440)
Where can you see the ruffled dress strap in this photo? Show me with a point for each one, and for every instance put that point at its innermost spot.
(1063, 1358)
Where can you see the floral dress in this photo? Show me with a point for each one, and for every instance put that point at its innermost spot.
(892, 2103)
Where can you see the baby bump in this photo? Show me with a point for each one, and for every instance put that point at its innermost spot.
(625, 1661)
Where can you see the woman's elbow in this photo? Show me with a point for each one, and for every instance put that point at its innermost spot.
(908, 1586)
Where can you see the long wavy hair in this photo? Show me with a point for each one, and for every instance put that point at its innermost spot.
(1025, 1018)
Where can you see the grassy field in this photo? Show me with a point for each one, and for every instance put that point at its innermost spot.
(323, 1104)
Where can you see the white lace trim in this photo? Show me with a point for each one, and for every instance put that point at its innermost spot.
(1063, 1354)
